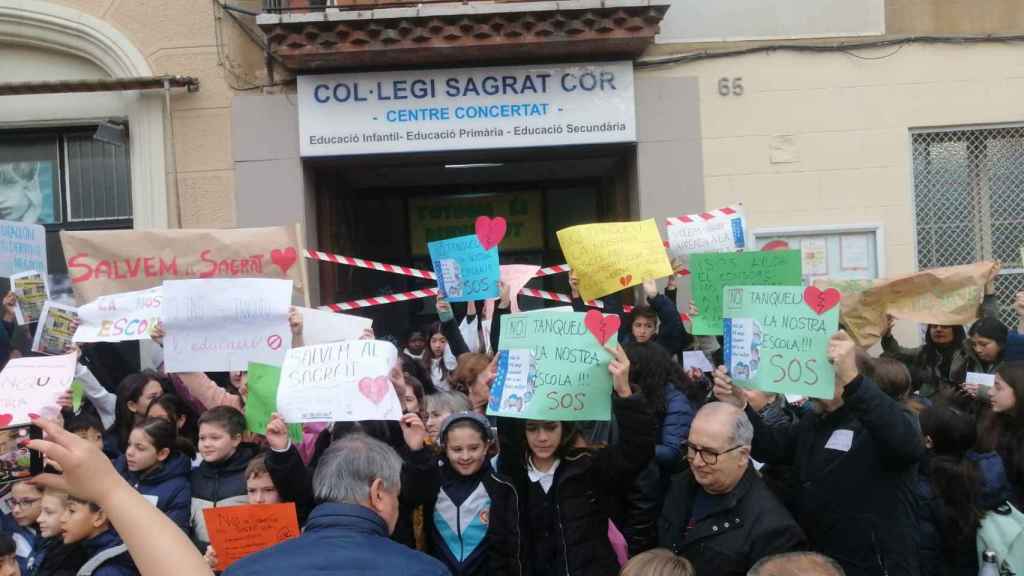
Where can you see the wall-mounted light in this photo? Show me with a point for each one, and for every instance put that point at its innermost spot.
(478, 165)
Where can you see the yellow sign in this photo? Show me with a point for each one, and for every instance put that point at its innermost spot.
(440, 217)
(610, 257)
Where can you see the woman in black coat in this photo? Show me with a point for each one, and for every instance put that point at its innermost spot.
(566, 491)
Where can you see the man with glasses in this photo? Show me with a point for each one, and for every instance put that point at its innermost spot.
(719, 514)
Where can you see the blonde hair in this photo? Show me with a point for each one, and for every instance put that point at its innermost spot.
(657, 562)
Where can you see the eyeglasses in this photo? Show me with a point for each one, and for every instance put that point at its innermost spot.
(710, 457)
(26, 503)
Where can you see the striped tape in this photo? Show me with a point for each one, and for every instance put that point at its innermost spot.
(705, 216)
(405, 270)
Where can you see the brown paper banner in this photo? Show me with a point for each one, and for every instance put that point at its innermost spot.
(112, 261)
(938, 296)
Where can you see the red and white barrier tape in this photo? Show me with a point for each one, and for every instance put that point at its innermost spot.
(405, 270)
(383, 299)
(687, 218)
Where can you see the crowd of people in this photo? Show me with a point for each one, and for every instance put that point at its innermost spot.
(901, 473)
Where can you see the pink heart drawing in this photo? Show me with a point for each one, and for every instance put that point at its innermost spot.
(5, 419)
(601, 326)
(374, 389)
(284, 259)
(490, 231)
(34, 416)
(820, 301)
(625, 280)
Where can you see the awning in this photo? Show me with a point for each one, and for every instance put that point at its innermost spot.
(99, 85)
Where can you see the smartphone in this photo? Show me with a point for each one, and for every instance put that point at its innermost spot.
(18, 462)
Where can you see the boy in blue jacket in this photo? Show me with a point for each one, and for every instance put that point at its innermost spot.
(87, 523)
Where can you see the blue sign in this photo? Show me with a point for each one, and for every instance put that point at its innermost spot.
(465, 271)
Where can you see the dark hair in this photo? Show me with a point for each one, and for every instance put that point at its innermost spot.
(570, 434)
(643, 311)
(991, 328)
(414, 367)
(92, 505)
(469, 366)
(891, 375)
(162, 434)
(7, 545)
(427, 360)
(465, 423)
(83, 421)
(257, 467)
(417, 387)
(651, 368)
(226, 417)
(177, 408)
(130, 390)
(953, 477)
(1003, 432)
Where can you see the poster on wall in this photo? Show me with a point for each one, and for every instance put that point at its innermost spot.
(434, 218)
(26, 192)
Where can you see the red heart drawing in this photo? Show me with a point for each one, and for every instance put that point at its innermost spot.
(775, 245)
(5, 419)
(819, 301)
(374, 389)
(284, 259)
(601, 326)
(34, 416)
(626, 280)
(490, 231)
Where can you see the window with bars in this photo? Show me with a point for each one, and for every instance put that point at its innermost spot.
(969, 202)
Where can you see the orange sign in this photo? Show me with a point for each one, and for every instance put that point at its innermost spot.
(237, 531)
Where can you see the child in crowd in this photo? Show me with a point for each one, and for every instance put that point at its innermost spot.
(657, 562)
(134, 395)
(87, 523)
(173, 409)
(87, 426)
(8, 558)
(471, 517)
(411, 395)
(53, 557)
(156, 468)
(220, 479)
(21, 524)
(439, 406)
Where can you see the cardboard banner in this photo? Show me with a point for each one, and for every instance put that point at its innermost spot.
(261, 401)
(32, 291)
(776, 338)
(238, 531)
(222, 324)
(552, 367)
(55, 329)
(722, 230)
(113, 261)
(342, 381)
(949, 296)
(32, 385)
(711, 273)
(610, 257)
(120, 317)
(465, 270)
(320, 327)
(22, 248)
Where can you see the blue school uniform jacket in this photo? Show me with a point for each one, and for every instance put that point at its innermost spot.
(167, 486)
(108, 556)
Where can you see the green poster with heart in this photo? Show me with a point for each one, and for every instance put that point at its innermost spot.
(776, 338)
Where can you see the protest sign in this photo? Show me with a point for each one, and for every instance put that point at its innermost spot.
(238, 531)
(120, 317)
(261, 401)
(465, 270)
(776, 338)
(722, 230)
(712, 272)
(32, 385)
(113, 261)
(31, 290)
(55, 328)
(342, 381)
(515, 276)
(551, 367)
(222, 324)
(697, 359)
(321, 327)
(949, 296)
(22, 248)
(609, 257)
(981, 379)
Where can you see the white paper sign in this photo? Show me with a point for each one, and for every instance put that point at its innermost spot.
(466, 108)
(723, 230)
(120, 317)
(981, 379)
(697, 359)
(814, 256)
(55, 328)
(341, 381)
(322, 327)
(32, 385)
(222, 324)
(22, 248)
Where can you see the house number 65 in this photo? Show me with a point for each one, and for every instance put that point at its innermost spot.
(730, 86)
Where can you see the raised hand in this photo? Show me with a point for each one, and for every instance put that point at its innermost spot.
(842, 353)
(726, 391)
(295, 321)
(157, 334)
(277, 433)
(368, 334)
(619, 368)
(650, 288)
(574, 284)
(414, 432)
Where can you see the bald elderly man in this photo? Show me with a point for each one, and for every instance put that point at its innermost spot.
(719, 514)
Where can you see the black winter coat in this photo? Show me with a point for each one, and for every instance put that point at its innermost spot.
(854, 470)
(750, 524)
(292, 479)
(587, 485)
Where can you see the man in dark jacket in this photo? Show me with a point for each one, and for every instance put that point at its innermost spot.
(854, 459)
(357, 481)
(719, 514)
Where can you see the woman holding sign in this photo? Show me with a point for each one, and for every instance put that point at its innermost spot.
(565, 490)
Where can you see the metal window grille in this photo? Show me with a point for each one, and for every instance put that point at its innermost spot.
(969, 202)
(98, 178)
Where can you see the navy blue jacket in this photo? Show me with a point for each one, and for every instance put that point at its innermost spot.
(675, 427)
(120, 565)
(26, 541)
(169, 484)
(339, 539)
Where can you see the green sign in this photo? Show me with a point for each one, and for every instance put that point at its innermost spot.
(776, 341)
(261, 401)
(710, 273)
(76, 395)
(551, 367)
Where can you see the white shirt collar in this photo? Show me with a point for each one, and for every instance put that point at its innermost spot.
(545, 478)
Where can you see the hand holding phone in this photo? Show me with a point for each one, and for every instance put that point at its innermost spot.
(17, 462)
